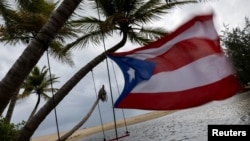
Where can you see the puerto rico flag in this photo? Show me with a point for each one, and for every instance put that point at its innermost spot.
(183, 69)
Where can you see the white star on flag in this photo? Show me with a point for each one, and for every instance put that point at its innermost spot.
(131, 73)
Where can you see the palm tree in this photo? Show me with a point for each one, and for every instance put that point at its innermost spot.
(127, 17)
(12, 81)
(11, 107)
(38, 82)
(23, 23)
(146, 11)
(102, 95)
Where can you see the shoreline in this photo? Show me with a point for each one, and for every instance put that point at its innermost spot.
(79, 134)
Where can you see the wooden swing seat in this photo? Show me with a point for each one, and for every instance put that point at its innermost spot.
(114, 139)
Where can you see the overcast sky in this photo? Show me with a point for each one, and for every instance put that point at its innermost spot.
(80, 99)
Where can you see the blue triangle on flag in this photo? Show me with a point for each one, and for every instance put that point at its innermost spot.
(134, 72)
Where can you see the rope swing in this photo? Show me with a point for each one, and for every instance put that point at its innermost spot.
(53, 99)
(110, 87)
(99, 110)
(118, 90)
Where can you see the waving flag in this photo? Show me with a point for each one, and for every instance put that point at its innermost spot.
(184, 69)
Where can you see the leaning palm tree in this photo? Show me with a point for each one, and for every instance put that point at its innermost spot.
(38, 82)
(127, 17)
(22, 24)
(14, 78)
(146, 11)
(102, 95)
(11, 107)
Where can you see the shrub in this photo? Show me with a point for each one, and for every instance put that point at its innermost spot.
(8, 130)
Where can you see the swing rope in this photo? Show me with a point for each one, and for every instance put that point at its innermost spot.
(104, 137)
(118, 90)
(53, 99)
(112, 100)
(107, 66)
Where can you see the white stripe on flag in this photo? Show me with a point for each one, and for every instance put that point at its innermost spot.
(201, 72)
(198, 30)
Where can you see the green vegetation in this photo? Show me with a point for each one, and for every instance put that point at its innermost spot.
(8, 130)
(237, 43)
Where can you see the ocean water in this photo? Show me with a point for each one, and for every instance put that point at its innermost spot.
(186, 125)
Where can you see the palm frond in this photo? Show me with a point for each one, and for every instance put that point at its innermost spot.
(136, 38)
(22, 26)
(13, 40)
(4, 8)
(145, 35)
(67, 32)
(130, 6)
(181, 2)
(94, 38)
(143, 12)
(25, 94)
(45, 96)
(88, 24)
(6, 13)
(58, 52)
(36, 6)
(152, 33)
(106, 7)
(153, 9)
(22, 3)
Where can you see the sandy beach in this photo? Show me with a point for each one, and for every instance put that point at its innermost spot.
(186, 125)
(92, 130)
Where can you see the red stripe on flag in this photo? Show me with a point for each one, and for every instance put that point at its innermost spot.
(185, 52)
(168, 37)
(183, 99)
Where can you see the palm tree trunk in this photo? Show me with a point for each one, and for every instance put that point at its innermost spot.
(11, 108)
(35, 108)
(68, 134)
(32, 54)
(27, 131)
